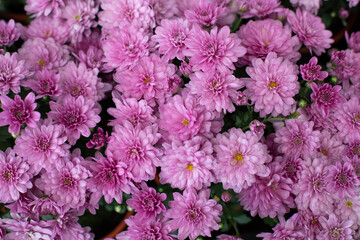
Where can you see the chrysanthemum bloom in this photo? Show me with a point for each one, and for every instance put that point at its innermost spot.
(331, 147)
(8, 33)
(182, 117)
(217, 49)
(132, 110)
(264, 36)
(310, 71)
(66, 183)
(348, 120)
(39, 53)
(204, 13)
(17, 112)
(125, 47)
(348, 209)
(297, 138)
(272, 85)
(193, 214)
(110, 179)
(99, 139)
(44, 83)
(353, 41)
(14, 176)
(148, 80)
(310, 30)
(352, 149)
(146, 202)
(76, 115)
(134, 13)
(259, 8)
(342, 180)
(47, 27)
(44, 205)
(292, 167)
(135, 147)
(310, 190)
(241, 99)
(217, 90)
(164, 9)
(150, 228)
(289, 229)
(269, 196)
(171, 36)
(327, 97)
(188, 164)
(12, 72)
(313, 113)
(42, 146)
(334, 229)
(257, 128)
(227, 237)
(311, 6)
(240, 157)
(346, 65)
(80, 17)
(43, 7)
(353, 3)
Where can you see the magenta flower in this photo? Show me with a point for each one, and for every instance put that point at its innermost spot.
(272, 85)
(110, 179)
(193, 214)
(241, 99)
(8, 33)
(12, 72)
(66, 183)
(310, 71)
(345, 65)
(204, 13)
(310, 30)
(99, 139)
(14, 176)
(216, 90)
(348, 120)
(147, 202)
(135, 147)
(16, 112)
(24, 228)
(311, 6)
(259, 8)
(214, 50)
(353, 41)
(171, 36)
(240, 157)
(43, 7)
(264, 36)
(334, 229)
(188, 164)
(257, 128)
(45, 83)
(76, 115)
(297, 138)
(291, 168)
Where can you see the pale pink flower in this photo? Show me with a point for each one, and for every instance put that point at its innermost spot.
(334, 229)
(310, 71)
(348, 120)
(205, 12)
(259, 8)
(12, 72)
(8, 33)
(44, 7)
(353, 41)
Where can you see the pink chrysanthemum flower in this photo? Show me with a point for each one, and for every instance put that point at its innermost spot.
(345, 66)
(352, 149)
(311, 6)
(313, 113)
(135, 147)
(42, 146)
(80, 17)
(39, 53)
(257, 128)
(241, 99)
(291, 167)
(134, 13)
(132, 110)
(310, 30)
(193, 214)
(353, 3)
(99, 139)
(125, 47)
(240, 157)
(310, 190)
(327, 97)
(331, 147)
(171, 36)
(164, 9)
(204, 13)
(274, 190)
(14, 176)
(17, 112)
(66, 183)
(217, 49)
(147, 202)
(188, 164)
(348, 209)
(334, 229)
(182, 117)
(342, 180)
(348, 120)
(227, 237)
(110, 179)
(12, 72)
(259, 8)
(297, 138)
(310, 71)
(272, 85)
(353, 41)
(264, 36)
(217, 90)
(8, 33)
(76, 115)
(43, 7)
(151, 228)
(45, 83)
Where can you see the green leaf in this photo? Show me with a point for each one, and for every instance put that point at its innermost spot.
(242, 219)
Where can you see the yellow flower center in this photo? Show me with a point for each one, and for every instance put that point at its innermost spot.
(147, 80)
(185, 122)
(41, 62)
(272, 84)
(266, 43)
(47, 32)
(357, 117)
(238, 157)
(190, 167)
(349, 204)
(324, 152)
(77, 16)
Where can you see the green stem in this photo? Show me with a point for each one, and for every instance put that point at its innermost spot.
(235, 227)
